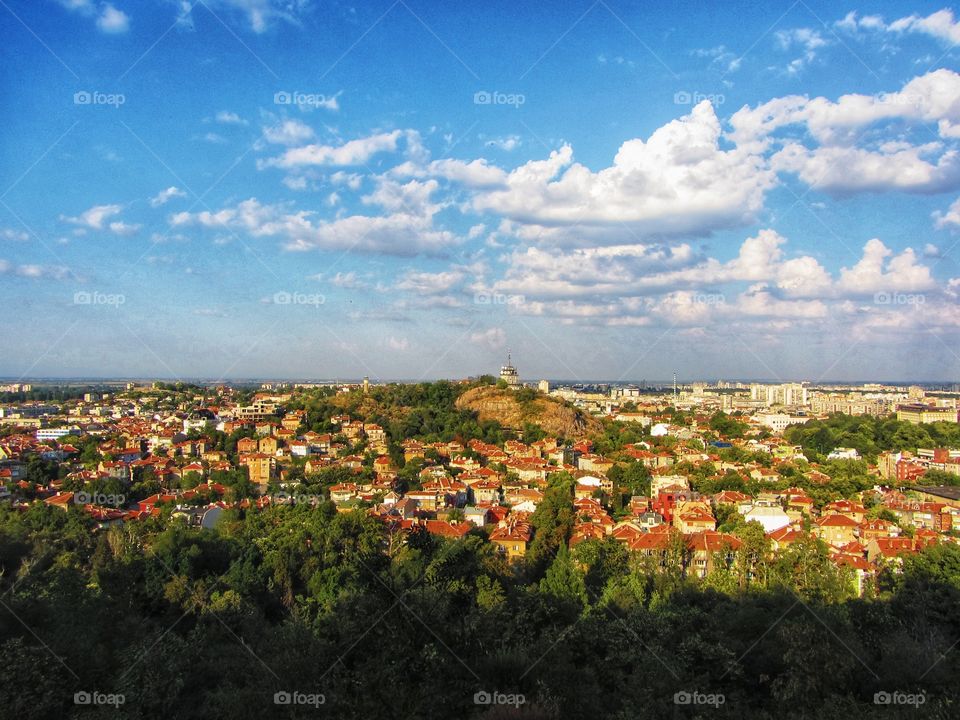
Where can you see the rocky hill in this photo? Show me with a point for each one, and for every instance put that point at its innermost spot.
(556, 417)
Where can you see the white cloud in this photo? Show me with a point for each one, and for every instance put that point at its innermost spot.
(721, 58)
(227, 117)
(940, 25)
(348, 281)
(125, 229)
(164, 196)
(950, 218)
(107, 17)
(805, 39)
(288, 132)
(494, 338)
(11, 234)
(845, 170)
(353, 152)
(111, 20)
(95, 217)
(678, 182)
(35, 272)
(401, 233)
(259, 15)
(426, 283)
(511, 142)
(930, 98)
(398, 344)
(880, 270)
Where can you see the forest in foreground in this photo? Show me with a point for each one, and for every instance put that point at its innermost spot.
(353, 620)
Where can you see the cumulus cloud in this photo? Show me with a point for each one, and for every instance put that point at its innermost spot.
(352, 152)
(35, 272)
(948, 219)
(11, 234)
(677, 182)
(164, 196)
(99, 218)
(126, 229)
(107, 17)
(227, 117)
(880, 270)
(258, 15)
(493, 338)
(642, 285)
(111, 20)
(406, 232)
(940, 25)
(288, 132)
(426, 283)
(930, 98)
(807, 40)
(846, 170)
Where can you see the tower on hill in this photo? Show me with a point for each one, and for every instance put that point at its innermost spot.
(508, 373)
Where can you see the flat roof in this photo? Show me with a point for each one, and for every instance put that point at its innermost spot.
(951, 492)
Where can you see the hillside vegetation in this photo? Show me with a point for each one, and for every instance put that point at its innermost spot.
(515, 408)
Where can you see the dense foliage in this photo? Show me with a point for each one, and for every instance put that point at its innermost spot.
(870, 435)
(194, 624)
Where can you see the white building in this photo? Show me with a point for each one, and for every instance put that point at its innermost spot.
(843, 454)
(508, 373)
(778, 422)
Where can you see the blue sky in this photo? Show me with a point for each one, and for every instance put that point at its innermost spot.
(297, 189)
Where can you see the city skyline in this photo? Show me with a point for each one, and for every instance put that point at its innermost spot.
(407, 190)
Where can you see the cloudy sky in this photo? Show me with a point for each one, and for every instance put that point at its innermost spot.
(297, 188)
